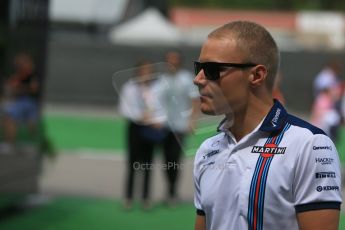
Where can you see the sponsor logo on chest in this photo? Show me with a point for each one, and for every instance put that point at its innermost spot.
(268, 150)
(210, 154)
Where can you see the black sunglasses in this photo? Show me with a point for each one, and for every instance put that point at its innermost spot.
(212, 69)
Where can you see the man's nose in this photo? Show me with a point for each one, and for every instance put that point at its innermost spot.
(200, 78)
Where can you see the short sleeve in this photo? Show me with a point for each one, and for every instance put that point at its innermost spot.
(317, 181)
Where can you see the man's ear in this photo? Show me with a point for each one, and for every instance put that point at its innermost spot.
(258, 76)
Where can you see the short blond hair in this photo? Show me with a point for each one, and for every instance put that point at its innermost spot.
(256, 41)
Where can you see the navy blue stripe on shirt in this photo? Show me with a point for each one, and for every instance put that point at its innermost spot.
(303, 124)
(256, 201)
(317, 206)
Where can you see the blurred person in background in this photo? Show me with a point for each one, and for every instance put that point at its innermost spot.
(179, 97)
(265, 168)
(20, 101)
(325, 114)
(328, 89)
(145, 130)
(329, 75)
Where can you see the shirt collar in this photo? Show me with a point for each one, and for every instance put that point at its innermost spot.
(224, 125)
(275, 119)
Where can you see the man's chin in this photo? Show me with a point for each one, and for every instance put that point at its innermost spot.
(208, 111)
(211, 111)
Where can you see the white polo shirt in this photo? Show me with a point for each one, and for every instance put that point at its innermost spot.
(177, 93)
(136, 100)
(284, 166)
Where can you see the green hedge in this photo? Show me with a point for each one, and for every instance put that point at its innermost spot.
(264, 4)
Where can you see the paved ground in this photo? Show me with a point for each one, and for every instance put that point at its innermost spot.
(102, 175)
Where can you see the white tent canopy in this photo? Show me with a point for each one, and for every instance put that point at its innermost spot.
(148, 28)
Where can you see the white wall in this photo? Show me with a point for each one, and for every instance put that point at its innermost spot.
(87, 11)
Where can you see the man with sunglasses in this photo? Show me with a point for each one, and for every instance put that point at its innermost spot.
(265, 169)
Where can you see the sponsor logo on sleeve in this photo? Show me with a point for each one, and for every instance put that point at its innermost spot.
(326, 147)
(327, 188)
(320, 175)
(324, 160)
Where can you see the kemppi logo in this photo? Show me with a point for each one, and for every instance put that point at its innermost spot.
(327, 188)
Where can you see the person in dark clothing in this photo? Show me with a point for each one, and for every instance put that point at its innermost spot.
(21, 99)
(139, 104)
(179, 96)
